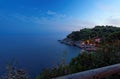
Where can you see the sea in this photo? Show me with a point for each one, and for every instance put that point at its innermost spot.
(34, 52)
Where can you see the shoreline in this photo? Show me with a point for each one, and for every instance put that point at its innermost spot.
(70, 42)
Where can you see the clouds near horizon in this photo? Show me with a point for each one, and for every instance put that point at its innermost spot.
(62, 15)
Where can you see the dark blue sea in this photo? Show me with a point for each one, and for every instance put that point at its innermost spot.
(34, 52)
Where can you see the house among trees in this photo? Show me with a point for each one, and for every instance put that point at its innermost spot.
(90, 44)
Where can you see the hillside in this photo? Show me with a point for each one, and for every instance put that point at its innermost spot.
(98, 31)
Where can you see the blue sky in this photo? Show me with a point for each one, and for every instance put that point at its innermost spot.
(34, 16)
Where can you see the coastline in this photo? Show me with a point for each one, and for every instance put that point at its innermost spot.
(70, 42)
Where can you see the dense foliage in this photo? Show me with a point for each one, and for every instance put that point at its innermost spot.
(113, 37)
(107, 54)
(97, 31)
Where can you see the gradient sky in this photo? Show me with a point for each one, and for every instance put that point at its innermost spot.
(35, 16)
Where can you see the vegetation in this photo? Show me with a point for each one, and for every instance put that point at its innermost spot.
(85, 61)
(107, 54)
(97, 31)
(14, 73)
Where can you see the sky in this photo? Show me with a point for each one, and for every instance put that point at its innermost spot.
(36, 16)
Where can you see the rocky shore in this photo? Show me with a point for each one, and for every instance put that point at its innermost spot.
(78, 44)
(70, 42)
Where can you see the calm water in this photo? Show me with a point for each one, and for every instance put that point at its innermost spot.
(34, 52)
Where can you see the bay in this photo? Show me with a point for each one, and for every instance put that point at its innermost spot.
(34, 52)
